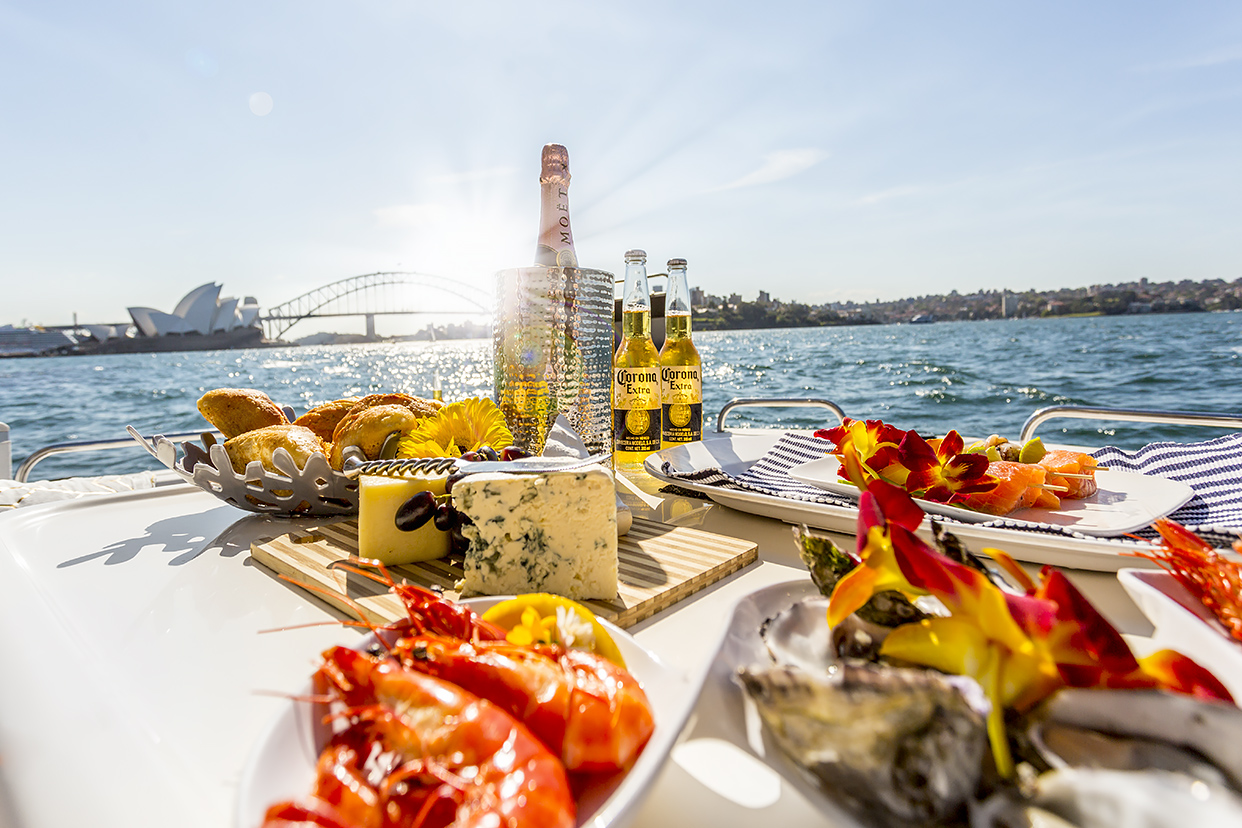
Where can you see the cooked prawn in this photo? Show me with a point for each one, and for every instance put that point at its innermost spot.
(440, 755)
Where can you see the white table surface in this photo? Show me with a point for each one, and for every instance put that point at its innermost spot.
(143, 653)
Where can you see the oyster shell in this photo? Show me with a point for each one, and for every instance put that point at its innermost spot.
(1137, 729)
(799, 636)
(1096, 798)
(828, 563)
(895, 746)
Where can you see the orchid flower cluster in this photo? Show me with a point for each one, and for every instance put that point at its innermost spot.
(1019, 647)
(935, 471)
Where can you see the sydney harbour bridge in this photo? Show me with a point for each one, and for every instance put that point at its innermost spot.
(378, 294)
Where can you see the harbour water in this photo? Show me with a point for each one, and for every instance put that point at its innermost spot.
(977, 377)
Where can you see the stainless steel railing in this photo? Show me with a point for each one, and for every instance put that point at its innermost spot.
(1133, 415)
(776, 402)
(6, 453)
(23, 471)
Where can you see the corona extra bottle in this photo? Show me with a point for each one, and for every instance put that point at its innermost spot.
(635, 371)
(681, 370)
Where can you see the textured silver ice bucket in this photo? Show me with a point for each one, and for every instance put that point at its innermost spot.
(552, 350)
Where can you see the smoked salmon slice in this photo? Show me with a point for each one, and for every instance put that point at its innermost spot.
(1063, 461)
(1017, 487)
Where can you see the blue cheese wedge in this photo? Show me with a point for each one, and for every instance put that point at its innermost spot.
(553, 532)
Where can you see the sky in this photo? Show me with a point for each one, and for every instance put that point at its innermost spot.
(821, 151)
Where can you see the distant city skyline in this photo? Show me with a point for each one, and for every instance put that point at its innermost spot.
(822, 152)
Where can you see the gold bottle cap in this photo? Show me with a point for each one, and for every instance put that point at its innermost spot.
(672, 263)
(555, 164)
(640, 255)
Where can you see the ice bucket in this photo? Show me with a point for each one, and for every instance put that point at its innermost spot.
(552, 351)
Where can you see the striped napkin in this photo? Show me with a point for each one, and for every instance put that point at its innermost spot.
(1213, 469)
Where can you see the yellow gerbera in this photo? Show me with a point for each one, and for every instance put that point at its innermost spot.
(457, 428)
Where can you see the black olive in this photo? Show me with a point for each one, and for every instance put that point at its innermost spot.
(488, 453)
(416, 511)
(446, 517)
(512, 453)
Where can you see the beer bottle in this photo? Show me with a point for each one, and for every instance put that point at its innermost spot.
(635, 369)
(681, 369)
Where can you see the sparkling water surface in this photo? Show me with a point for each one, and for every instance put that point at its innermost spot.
(978, 377)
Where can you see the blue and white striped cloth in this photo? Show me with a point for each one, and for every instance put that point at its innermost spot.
(1213, 469)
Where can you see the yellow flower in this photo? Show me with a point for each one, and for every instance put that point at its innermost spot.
(457, 428)
(532, 629)
(409, 448)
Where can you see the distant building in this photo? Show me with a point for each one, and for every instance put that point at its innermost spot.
(201, 311)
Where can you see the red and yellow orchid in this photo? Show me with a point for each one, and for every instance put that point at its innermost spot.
(1019, 647)
(933, 471)
(876, 445)
(939, 473)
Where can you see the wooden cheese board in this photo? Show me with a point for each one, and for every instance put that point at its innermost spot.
(658, 564)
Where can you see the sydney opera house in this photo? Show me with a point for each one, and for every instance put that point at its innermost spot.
(202, 311)
(201, 321)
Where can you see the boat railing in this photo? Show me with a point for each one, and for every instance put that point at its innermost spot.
(776, 402)
(1133, 415)
(23, 471)
(1189, 418)
(6, 453)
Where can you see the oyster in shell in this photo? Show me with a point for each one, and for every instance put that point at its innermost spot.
(798, 636)
(1138, 729)
(1097, 798)
(828, 564)
(896, 746)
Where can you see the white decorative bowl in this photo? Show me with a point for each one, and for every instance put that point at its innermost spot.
(315, 490)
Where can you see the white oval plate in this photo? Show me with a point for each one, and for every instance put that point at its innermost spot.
(733, 452)
(1125, 502)
(282, 765)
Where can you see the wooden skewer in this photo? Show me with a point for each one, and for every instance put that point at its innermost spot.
(1072, 474)
(1050, 488)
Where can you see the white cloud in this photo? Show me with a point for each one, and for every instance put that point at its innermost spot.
(409, 215)
(778, 166)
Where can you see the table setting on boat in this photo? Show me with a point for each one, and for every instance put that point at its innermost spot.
(178, 637)
(160, 651)
(566, 604)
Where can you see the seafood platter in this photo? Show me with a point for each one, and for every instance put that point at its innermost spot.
(887, 669)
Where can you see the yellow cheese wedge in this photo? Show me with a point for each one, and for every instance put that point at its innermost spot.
(379, 498)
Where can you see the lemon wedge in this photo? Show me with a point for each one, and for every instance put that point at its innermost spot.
(541, 616)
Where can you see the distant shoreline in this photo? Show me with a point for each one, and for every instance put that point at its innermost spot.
(773, 323)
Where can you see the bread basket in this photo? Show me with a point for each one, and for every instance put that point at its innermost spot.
(316, 490)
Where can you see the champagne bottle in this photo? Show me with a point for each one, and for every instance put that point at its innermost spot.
(681, 369)
(555, 246)
(636, 376)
